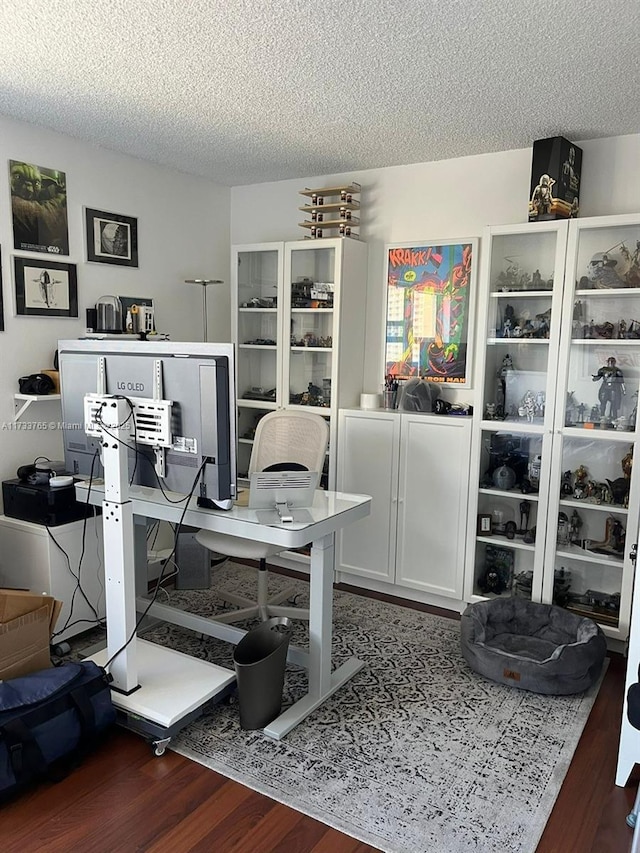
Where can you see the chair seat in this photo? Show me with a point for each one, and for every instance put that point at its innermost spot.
(234, 546)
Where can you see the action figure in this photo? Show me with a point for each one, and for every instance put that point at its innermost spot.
(542, 199)
(611, 390)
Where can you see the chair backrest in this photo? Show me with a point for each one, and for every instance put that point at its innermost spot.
(290, 436)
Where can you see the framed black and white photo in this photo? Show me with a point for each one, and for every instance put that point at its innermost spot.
(45, 289)
(111, 238)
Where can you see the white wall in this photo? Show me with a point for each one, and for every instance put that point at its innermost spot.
(428, 201)
(183, 232)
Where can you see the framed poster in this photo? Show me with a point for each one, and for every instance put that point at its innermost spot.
(111, 238)
(47, 289)
(430, 291)
(39, 208)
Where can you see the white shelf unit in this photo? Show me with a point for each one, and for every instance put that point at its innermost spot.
(585, 523)
(332, 215)
(298, 324)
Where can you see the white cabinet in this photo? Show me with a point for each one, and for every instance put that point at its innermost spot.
(298, 324)
(49, 561)
(555, 501)
(416, 468)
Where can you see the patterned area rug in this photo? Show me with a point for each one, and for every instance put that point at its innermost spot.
(416, 753)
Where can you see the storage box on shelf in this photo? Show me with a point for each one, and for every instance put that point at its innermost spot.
(555, 509)
(332, 209)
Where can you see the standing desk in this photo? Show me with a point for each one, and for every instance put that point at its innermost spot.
(330, 512)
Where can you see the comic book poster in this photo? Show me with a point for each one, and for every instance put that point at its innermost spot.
(39, 208)
(428, 322)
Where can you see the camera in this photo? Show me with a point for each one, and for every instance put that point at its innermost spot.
(36, 383)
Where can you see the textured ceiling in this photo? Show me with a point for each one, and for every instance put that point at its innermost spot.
(246, 91)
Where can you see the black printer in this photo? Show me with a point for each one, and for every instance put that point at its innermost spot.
(43, 504)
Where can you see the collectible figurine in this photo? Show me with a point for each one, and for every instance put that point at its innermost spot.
(632, 275)
(575, 523)
(490, 412)
(491, 582)
(542, 198)
(529, 405)
(600, 270)
(536, 280)
(566, 487)
(611, 389)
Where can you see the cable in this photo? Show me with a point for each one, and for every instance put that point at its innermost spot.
(161, 576)
(138, 452)
(78, 587)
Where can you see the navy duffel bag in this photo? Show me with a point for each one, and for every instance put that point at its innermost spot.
(48, 719)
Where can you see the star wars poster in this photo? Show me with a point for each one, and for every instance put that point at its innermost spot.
(39, 208)
(428, 324)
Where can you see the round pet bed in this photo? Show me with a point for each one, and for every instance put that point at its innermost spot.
(537, 647)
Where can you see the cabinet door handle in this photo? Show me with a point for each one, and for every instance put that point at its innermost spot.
(633, 554)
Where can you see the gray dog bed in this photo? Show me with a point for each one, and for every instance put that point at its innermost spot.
(537, 647)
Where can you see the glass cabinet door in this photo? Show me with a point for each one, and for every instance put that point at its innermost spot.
(257, 333)
(519, 335)
(311, 305)
(596, 423)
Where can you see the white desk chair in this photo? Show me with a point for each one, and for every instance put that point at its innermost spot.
(282, 437)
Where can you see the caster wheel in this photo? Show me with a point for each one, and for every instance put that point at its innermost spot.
(631, 820)
(159, 746)
(61, 649)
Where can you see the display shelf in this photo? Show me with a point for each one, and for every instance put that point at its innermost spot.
(342, 190)
(343, 223)
(314, 356)
(354, 204)
(568, 397)
(25, 400)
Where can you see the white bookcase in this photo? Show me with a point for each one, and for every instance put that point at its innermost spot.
(554, 501)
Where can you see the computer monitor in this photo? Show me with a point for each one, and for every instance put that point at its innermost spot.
(198, 378)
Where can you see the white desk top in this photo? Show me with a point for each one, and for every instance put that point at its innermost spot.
(330, 511)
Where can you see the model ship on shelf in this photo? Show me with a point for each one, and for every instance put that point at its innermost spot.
(332, 209)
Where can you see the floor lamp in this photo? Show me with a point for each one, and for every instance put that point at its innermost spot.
(204, 282)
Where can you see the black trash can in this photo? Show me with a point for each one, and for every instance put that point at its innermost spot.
(259, 660)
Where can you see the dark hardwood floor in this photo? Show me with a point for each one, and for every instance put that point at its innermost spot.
(122, 799)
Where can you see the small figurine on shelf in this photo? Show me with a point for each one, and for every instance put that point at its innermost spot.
(491, 582)
(611, 389)
(575, 523)
(600, 270)
(580, 486)
(529, 406)
(502, 373)
(561, 587)
(566, 487)
(632, 275)
(536, 280)
(490, 412)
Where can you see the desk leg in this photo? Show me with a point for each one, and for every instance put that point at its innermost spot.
(322, 682)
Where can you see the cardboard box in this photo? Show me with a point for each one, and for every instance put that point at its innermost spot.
(555, 179)
(54, 375)
(27, 621)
